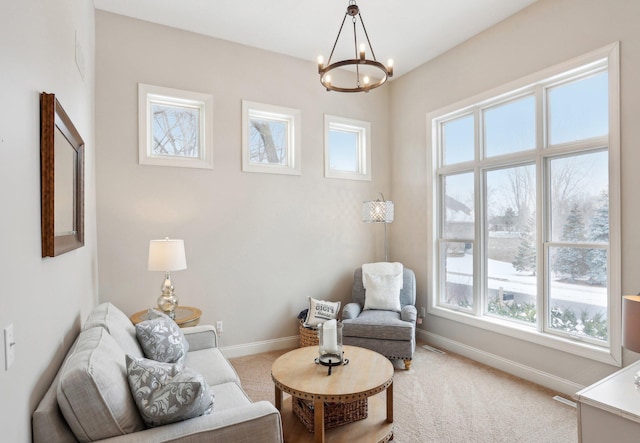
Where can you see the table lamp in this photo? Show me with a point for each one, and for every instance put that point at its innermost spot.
(631, 326)
(379, 211)
(167, 255)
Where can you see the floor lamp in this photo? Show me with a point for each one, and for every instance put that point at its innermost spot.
(379, 211)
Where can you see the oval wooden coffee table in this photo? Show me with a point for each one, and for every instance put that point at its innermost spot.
(367, 374)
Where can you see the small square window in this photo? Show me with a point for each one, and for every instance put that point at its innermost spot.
(271, 140)
(347, 148)
(174, 127)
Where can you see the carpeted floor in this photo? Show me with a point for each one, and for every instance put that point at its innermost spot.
(448, 398)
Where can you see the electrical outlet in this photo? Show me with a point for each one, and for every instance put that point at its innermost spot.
(219, 327)
(423, 312)
(9, 345)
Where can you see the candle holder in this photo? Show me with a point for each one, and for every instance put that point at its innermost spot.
(330, 345)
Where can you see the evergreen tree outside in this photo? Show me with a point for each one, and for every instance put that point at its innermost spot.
(599, 232)
(572, 261)
(525, 260)
(509, 219)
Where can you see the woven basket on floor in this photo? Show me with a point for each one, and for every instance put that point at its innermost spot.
(335, 414)
(308, 336)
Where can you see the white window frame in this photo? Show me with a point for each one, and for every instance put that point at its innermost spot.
(535, 83)
(363, 131)
(292, 118)
(149, 95)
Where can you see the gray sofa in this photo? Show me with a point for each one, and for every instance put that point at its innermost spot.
(90, 399)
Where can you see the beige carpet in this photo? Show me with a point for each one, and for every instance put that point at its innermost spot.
(449, 398)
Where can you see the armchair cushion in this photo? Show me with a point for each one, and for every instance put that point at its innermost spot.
(166, 393)
(382, 325)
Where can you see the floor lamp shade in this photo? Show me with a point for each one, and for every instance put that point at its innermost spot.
(631, 322)
(377, 211)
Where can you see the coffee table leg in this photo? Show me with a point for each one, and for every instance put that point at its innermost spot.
(390, 403)
(318, 406)
(278, 398)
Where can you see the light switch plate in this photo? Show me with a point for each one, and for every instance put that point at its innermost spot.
(9, 345)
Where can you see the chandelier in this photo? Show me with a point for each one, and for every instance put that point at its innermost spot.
(363, 81)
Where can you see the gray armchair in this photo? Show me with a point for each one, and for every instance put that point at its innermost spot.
(392, 334)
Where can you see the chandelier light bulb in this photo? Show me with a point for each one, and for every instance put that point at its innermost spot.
(362, 51)
(320, 62)
(365, 80)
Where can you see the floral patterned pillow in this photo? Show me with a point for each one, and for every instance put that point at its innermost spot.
(167, 393)
(161, 339)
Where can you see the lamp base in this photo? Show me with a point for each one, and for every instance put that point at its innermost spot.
(168, 301)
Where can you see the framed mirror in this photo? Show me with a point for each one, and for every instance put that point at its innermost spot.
(62, 179)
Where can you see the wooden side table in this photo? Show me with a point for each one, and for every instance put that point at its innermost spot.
(186, 316)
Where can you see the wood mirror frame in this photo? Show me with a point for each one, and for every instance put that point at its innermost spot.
(62, 212)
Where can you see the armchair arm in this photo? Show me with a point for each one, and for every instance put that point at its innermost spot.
(258, 421)
(351, 310)
(201, 337)
(409, 313)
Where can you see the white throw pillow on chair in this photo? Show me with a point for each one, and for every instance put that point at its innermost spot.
(383, 292)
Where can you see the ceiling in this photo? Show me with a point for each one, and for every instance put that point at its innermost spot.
(410, 32)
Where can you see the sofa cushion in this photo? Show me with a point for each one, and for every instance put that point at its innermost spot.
(215, 368)
(320, 311)
(161, 338)
(93, 392)
(107, 316)
(167, 393)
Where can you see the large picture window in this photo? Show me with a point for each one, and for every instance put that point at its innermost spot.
(526, 208)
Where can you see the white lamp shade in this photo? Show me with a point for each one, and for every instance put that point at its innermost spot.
(377, 211)
(167, 255)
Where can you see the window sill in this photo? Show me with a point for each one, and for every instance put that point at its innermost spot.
(592, 352)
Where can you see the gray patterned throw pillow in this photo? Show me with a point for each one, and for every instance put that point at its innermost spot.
(161, 339)
(167, 393)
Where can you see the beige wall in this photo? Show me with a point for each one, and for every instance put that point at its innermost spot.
(257, 245)
(546, 33)
(46, 300)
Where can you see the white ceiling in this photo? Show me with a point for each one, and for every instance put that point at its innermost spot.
(410, 32)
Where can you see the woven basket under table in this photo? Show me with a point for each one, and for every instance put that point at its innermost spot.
(308, 336)
(335, 414)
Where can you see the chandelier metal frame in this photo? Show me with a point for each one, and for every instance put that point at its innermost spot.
(366, 85)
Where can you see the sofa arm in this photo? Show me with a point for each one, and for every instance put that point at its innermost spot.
(201, 337)
(351, 310)
(256, 422)
(409, 313)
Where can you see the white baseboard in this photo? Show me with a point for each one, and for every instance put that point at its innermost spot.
(260, 346)
(495, 361)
